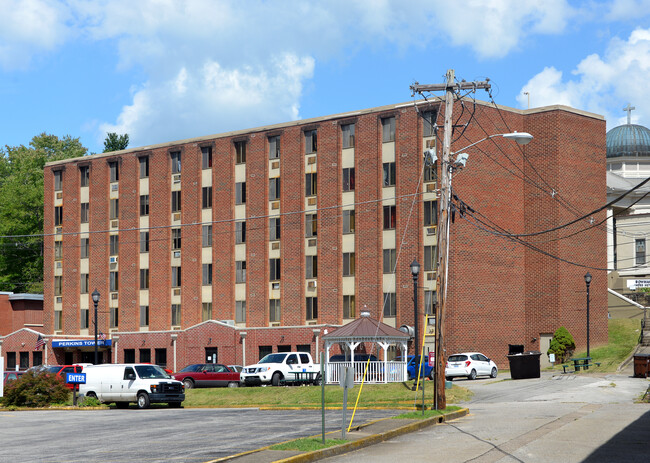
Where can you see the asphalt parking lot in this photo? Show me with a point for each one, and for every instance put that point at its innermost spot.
(155, 435)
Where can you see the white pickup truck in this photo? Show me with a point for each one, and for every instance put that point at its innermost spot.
(282, 368)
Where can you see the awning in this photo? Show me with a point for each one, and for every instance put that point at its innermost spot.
(81, 343)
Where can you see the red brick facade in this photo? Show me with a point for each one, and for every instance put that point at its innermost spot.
(500, 292)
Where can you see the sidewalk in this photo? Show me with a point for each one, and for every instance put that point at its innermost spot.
(358, 437)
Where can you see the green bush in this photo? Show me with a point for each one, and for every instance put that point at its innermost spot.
(35, 390)
(562, 345)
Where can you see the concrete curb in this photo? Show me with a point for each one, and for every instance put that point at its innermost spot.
(359, 443)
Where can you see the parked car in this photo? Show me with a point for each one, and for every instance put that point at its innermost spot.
(470, 365)
(58, 370)
(12, 376)
(282, 368)
(412, 367)
(123, 383)
(237, 368)
(207, 375)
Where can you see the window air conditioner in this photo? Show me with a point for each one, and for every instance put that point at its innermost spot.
(275, 205)
(177, 216)
(177, 291)
(115, 223)
(114, 296)
(176, 178)
(311, 242)
(312, 284)
(311, 201)
(431, 231)
(112, 260)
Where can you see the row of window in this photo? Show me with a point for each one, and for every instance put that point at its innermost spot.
(311, 146)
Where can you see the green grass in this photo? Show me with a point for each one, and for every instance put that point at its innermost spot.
(623, 339)
(393, 395)
(308, 444)
(417, 415)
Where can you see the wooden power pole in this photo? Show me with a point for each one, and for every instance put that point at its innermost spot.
(450, 87)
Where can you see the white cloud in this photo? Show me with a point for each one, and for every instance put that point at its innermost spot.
(600, 83)
(618, 10)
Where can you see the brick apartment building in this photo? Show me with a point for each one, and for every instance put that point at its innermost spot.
(230, 246)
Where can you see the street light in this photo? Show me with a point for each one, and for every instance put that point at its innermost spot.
(415, 271)
(588, 282)
(95, 296)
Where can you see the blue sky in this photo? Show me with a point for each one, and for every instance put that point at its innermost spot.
(164, 70)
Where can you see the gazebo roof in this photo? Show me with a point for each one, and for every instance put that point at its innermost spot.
(366, 329)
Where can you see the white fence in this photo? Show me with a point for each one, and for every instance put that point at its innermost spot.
(378, 371)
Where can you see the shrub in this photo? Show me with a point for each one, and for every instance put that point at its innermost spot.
(562, 345)
(35, 390)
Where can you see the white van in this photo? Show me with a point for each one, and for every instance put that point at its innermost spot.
(141, 383)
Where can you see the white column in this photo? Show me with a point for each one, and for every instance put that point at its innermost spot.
(174, 339)
(243, 347)
(115, 339)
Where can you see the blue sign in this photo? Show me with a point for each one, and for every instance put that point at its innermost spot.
(82, 343)
(75, 378)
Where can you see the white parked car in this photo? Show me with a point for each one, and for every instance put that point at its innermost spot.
(470, 365)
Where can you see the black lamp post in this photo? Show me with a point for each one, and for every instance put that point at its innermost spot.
(588, 282)
(415, 271)
(95, 296)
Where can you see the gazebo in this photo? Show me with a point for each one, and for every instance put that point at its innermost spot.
(367, 330)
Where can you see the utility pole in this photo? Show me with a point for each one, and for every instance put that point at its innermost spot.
(450, 87)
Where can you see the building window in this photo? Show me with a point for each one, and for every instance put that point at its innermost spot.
(274, 189)
(144, 318)
(274, 228)
(240, 193)
(348, 135)
(114, 281)
(640, 251)
(390, 305)
(83, 283)
(84, 175)
(11, 361)
(274, 269)
(176, 315)
(312, 308)
(390, 257)
(207, 274)
(145, 355)
(58, 320)
(311, 184)
(84, 212)
(240, 152)
(144, 166)
(431, 173)
(240, 232)
(144, 205)
(24, 360)
(311, 225)
(429, 123)
(114, 170)
(207, 197)
(430, 213)
(58, 285)
(348, 179)
(390, 217)
(176, 238)
(144, 278)
(311, 142)
(348, 221)
(429, 302)
(129, 355)
(84, 319)
(389, 174)
(58, 180)
(240, 311)
(176, 162)
(388, 129)
(84, 248)
(206, 236)
(348, 264)
(348, 306)
(311, 266)
(176, 201)
(114, 245)
(206, 311)
(240, 271)
(430, 258)
(144, 241)
(274, 147)
(176, 277)
(114, 209)
(37, 358)
(206, 157)
(114, 317)
(58, 216)
(58, 250)
(161, 357)
(274, 310)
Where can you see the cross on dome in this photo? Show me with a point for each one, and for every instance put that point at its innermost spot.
(629, 112)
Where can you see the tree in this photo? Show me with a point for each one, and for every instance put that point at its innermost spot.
(21, 208)
(115, 142)
(562, 345)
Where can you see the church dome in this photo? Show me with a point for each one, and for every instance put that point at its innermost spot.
(628, 140)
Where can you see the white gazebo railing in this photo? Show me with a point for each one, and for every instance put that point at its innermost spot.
(377, 371)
